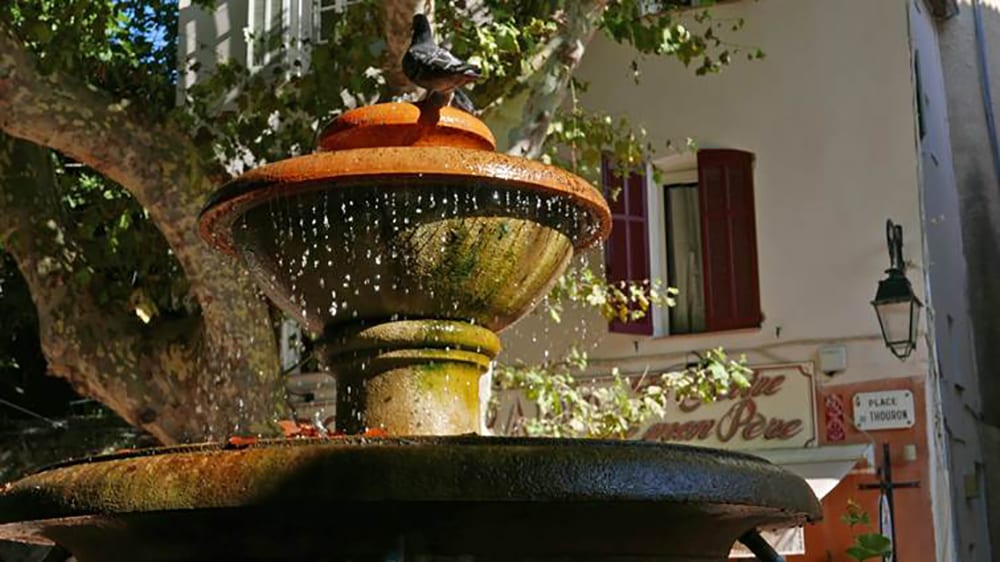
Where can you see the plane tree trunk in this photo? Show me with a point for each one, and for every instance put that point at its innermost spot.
(216, 373)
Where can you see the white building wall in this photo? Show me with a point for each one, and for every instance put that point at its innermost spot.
(239, 31)
(829, 115)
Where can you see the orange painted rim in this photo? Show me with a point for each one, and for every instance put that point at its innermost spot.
(325, 170)
(406, 124)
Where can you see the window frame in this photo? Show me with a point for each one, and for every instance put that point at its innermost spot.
(318, 9)
(299, 21)
(684, 169)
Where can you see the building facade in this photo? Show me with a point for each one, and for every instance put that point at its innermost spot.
(774, 232)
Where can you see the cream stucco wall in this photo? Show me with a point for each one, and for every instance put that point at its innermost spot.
(829, 115)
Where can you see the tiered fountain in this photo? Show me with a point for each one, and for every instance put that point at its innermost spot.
(407, 241)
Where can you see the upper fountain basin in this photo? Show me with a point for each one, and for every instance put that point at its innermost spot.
(429, 224)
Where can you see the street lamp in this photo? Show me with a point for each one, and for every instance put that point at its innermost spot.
(898, 309)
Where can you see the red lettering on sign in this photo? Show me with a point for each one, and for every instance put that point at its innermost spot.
(782, 430)
(681, 431)
(742, 421)
(760, 385)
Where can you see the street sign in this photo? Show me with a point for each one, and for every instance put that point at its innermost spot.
(890, 409)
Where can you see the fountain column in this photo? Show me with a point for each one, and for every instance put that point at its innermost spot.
(410, 377)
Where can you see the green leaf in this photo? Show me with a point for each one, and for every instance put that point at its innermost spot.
(875, 542)
(858, 553)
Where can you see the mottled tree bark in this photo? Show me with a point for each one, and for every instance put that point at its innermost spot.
(522, 122)
(222, 373)
(397, 21)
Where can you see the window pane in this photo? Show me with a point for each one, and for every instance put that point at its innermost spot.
(617, 256)
(638, 255)
(684, 257)
(327, 22)
(636, 193)
(277, 13)
(895, 318)
(259, 16)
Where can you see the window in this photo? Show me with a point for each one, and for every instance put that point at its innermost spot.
(708, 236)
(682, 238)
(280, 31)
(268, 28)
(328, 12)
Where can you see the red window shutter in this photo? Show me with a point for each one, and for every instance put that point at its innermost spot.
(729, 239)
(626, 253)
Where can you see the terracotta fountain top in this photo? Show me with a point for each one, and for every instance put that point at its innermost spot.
(405, 124)
(400, 140)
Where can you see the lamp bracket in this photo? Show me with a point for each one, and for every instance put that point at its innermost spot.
(894, 241)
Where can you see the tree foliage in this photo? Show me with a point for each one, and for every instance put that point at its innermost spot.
(571, 405)
(126, 48)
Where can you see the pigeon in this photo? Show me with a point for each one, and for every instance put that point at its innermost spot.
(435, 69)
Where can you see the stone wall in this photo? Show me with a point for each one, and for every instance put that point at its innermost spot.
(979, 196)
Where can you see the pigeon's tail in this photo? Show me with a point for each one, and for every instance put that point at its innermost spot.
(461, 100)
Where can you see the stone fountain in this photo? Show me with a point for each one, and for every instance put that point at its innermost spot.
(407, 242)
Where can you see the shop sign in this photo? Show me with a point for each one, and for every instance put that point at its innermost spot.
(890, 409)
(775, 411)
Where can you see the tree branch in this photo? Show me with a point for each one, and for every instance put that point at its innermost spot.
(523, 132)
(101, 350)
(397, 21)
(155, 163)
(160, 167)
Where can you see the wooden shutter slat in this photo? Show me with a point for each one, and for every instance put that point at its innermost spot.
(729, 240)
(627, 248)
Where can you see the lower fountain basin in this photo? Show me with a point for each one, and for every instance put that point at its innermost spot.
(463, 497)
